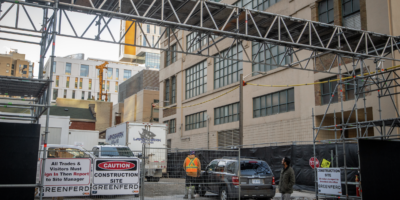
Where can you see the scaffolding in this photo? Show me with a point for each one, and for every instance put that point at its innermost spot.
(213, 22)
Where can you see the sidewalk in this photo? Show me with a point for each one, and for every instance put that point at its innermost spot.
(298, 195)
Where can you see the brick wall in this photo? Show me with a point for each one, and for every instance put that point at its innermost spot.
(324, 62)
(169, 112)
(83, 125)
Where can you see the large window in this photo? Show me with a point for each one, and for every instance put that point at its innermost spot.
(57, 81)
(257, 5)
(350, 88)
(89, 95)
(171, 56)
(55, 94)
(109, 73)
(76, 82)
(67, 83)
(193, 43)
(108, 86)
(68, 69)
(173, 90)
(351, 13)
(54, 67)
(228, 71)
(325, 11)
(65, 94)
(127, 74)
(83, 95)
(226, 114)
(327, 91)
(155, 29)
(167, 88)
(196, 80)
(278, 102)
(73, 94)
(80, 83)
(171, 125)
(90, 84)
(152, 60)
(148, 28)
(116, 86)
(195, 121)
(85, 70)
(116, 74)
(265, 56)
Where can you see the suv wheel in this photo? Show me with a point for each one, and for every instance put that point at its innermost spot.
(223, 194)
(201, 190)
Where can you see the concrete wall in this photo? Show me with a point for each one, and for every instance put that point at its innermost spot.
(130, 106)
(137, 107)
(102, 109)
(283, 127)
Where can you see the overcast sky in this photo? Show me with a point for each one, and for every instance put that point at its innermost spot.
(64, 45)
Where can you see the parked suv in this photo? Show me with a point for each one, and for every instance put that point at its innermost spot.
(221, 177)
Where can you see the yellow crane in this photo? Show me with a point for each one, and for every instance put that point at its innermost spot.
(101, 68)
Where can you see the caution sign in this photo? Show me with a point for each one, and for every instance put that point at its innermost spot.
(329, 181)
(67, 177)
(115, 176)
(325, 163)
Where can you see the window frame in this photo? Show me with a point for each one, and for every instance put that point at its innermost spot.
(262, 111)
(130, 74)
(264, 52)
(343, 2)
(173, 89)
(68, 66)
(330, 93)
(227, 72)
(220, 113)
(166, 93)
(194, 86)
(326, 12)
(192, 121)
(87, 71)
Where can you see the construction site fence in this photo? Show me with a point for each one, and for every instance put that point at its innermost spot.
(300, 154)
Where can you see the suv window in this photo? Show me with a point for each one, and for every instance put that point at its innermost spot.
(230, 167)
(65, 153)
(212, 165)
(250, 168)
(116, 151)
(95, 151)
(220, 167)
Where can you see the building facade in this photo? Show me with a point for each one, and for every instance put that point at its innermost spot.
(76, 78)
(15, 64)
(135, 98)
(271, 114)
(139, 53)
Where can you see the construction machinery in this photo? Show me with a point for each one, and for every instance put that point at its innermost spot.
(101, 70)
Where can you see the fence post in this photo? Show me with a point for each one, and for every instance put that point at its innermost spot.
(239, 174)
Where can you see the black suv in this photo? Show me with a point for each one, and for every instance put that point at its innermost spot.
(221, 177)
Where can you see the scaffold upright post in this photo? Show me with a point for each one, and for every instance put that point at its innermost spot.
(55, 7)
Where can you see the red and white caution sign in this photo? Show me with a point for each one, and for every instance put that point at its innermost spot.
(314, 164)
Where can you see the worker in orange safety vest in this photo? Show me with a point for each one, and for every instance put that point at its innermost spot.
(192, 167)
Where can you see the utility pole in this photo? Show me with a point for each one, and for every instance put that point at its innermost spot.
(241, 110)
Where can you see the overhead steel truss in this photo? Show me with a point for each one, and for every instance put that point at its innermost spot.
(216, 22)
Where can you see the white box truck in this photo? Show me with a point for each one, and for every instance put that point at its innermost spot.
(134, 135)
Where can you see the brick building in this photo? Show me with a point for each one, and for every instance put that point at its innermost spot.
(271, 114)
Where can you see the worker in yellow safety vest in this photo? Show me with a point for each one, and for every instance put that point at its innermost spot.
(192, 167)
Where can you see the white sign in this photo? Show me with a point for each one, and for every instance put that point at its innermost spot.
(67, 177)
(116, 176)
(116, 135)
(329, 181)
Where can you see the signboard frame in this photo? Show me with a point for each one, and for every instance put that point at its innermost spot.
(329, 181)
(118, 184)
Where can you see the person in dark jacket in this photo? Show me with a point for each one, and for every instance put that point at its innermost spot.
(287, 179)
